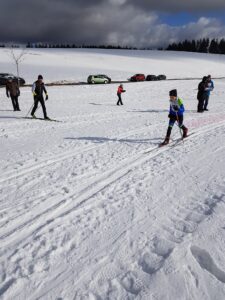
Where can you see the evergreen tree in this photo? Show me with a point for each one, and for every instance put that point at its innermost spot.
(203, 46)
(222, 46)
(214, 47)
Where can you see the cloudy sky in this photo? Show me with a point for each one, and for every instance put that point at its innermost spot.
(140, 23)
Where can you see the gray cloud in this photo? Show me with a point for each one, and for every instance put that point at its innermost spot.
(124, 22)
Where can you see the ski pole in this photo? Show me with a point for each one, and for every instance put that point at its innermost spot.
(29, 110)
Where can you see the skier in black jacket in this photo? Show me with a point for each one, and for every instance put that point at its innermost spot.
(38, 89)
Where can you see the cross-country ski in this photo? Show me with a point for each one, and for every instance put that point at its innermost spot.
(41, 119)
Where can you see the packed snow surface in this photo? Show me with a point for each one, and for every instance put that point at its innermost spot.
(91, 207)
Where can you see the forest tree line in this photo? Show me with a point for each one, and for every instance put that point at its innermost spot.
(214, 46)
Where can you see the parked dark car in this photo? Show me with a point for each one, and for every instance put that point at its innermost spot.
(138, 77)
(98, 79)
(151, 78)
(161, 77)
(4, 77)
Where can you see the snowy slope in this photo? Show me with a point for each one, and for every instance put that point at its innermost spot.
(91, 208)
(77, 65)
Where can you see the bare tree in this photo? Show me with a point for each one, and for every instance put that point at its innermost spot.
(17, 59)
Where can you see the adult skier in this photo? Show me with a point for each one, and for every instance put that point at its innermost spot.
(175, 115)
(210, 85)
(120, 90)
(38, 88)
(12, 90)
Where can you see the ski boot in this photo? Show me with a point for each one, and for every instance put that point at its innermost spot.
(47, 118)
(185, 132)
(33, 116)
(165, 142)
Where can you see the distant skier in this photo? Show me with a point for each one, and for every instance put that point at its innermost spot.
(119, 92)
(202, 94)
(38, 89)
(210, 85)
(12, 90)
(175, 115)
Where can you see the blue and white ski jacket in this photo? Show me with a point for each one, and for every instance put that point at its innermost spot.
(176, 107)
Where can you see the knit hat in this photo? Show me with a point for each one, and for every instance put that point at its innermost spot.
(173, 93)
(40, 77)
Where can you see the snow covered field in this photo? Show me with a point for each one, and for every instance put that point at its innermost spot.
(90, 207)
(76, 64)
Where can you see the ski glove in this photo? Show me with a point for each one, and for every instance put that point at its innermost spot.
(34, 94)
(46, 98)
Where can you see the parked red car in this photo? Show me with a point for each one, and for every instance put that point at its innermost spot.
(138, 77)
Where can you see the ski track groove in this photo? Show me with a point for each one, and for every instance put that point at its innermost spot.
(113, 176)
(171, 229)
(92, 189)
(60, 157)
(62, 123)
(175, 231)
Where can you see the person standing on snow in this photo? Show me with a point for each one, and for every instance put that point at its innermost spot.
(12, 90)
(202, 94)
(210, 88)
(175, 115)
(119, 92)
(38, 88)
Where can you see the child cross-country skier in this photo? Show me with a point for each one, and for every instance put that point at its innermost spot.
(119, 92)
(175, 115)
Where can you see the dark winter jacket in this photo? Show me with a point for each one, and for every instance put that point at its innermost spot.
(38, 89)
(12, 89)
(176, 107)
(203, 89)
